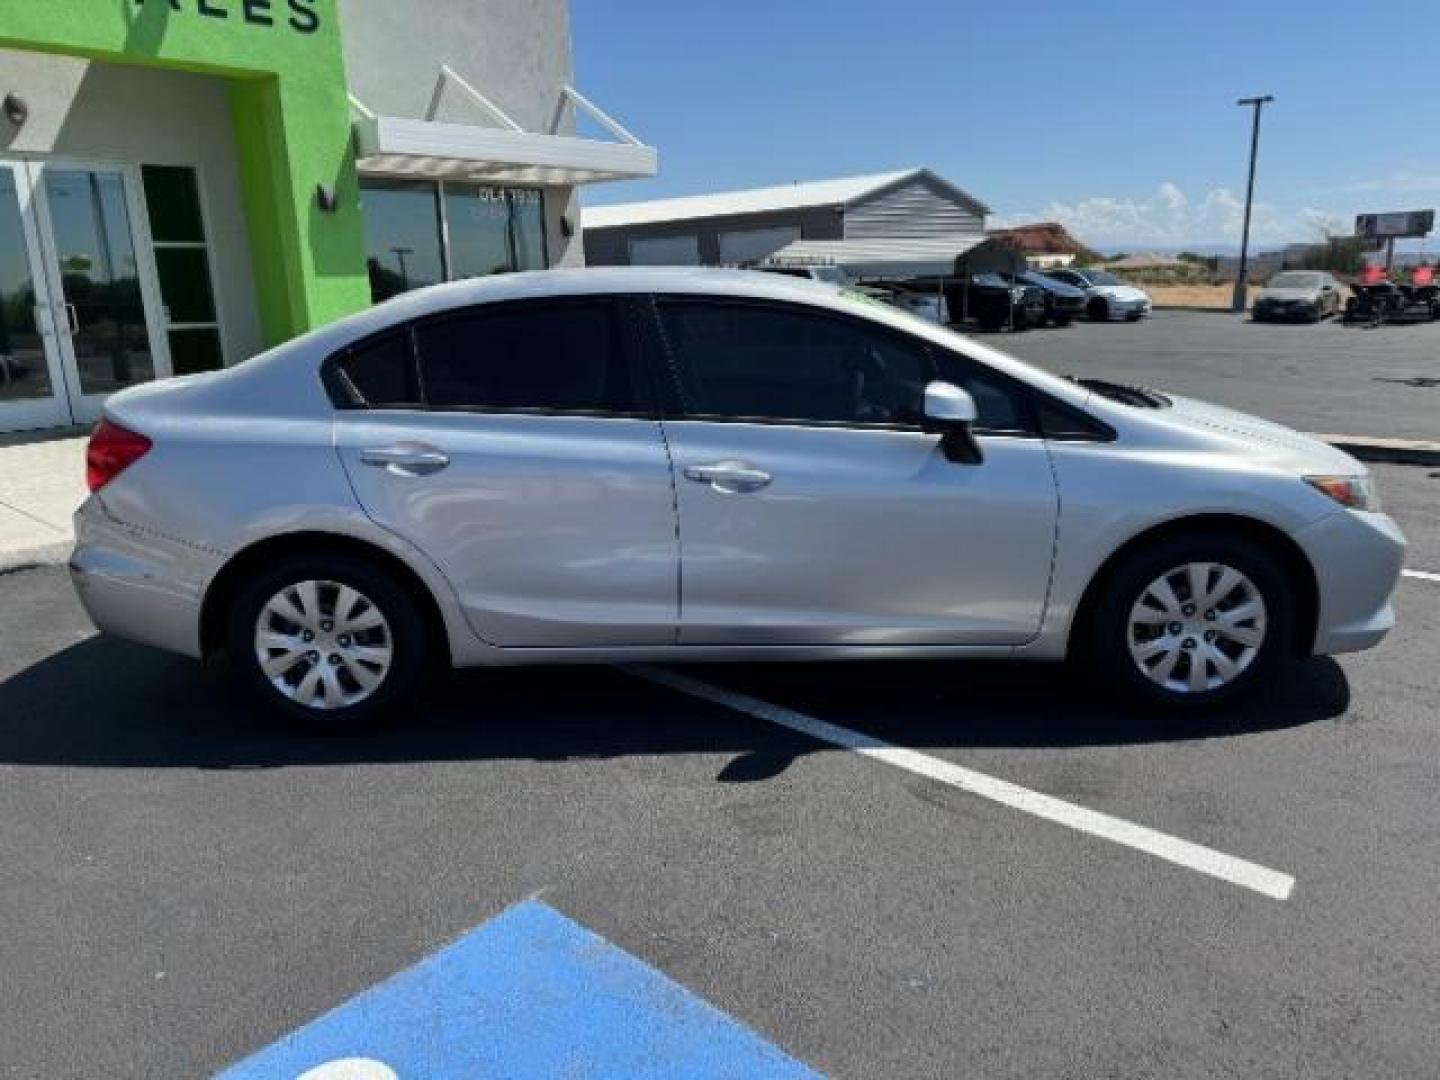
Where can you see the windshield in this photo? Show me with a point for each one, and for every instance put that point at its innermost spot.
(1102, 277)
(1295, 281)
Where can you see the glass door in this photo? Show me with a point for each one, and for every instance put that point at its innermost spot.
(106, 314)
(32, 380)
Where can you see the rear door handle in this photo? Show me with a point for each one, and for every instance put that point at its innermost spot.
(406, 459)
(735, 477)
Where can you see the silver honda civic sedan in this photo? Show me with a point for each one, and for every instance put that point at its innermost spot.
(684, 465)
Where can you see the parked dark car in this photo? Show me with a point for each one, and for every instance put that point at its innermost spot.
(995, 303)
(1063, 303)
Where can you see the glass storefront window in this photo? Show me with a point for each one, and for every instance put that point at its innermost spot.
(182, 261)
(402, 232)
(491, 230)
(479, 220)
(527, 216)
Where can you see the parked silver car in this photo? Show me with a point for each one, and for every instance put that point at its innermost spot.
(1305, 295)
(680, 465)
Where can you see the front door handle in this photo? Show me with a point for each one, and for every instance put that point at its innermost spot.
(733, 477)
(406, 459)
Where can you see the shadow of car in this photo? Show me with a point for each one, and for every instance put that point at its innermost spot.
(104, 703)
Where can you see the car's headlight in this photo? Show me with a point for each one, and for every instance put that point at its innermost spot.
(1355, 492)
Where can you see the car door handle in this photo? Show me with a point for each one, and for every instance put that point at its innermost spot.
(406, 459)
(729, 476)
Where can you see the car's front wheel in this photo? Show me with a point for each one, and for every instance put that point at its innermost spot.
(329, 639)
(1193, 621)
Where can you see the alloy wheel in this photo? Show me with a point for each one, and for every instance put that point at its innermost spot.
(1197, 627)
(323, 644)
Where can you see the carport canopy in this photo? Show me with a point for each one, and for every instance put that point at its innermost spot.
(901, 258)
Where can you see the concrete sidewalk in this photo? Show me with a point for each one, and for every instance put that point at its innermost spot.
(43, 482)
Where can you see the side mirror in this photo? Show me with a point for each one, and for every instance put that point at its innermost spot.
(949, 413)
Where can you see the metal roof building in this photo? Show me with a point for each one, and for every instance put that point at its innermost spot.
(743, 227)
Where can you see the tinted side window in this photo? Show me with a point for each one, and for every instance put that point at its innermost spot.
(1001, 404)
(378, 372)
(527, 357)
(772, 362)
(1059, 421)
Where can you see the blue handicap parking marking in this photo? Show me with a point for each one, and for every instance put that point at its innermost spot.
(528, 994)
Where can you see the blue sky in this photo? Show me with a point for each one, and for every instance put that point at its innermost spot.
(1117, 117)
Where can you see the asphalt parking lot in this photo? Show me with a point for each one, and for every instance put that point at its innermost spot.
(1327, 377)
(186, 881)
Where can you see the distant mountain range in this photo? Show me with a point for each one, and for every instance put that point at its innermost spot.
(1429, 246)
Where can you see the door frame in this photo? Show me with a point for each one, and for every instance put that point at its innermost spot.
(27, 414)
(78, 407)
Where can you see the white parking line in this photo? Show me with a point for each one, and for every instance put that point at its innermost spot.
(1205, 860)
(1421, 575)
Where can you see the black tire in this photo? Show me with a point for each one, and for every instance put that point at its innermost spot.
(1105, 650)
(1062, 321)
(405, 635)
(1098, 309)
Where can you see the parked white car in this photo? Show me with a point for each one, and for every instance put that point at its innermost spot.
(1108, 296)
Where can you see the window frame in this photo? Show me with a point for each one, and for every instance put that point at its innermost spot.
(346, 396)
(672, 394)
(220, 324)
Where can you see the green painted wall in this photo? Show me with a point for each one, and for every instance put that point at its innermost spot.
(292, 125)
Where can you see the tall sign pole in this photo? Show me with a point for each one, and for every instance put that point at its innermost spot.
(1257, 103)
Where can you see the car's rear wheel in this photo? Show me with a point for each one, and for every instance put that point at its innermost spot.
(1193, 621)
(1098, 309)
(330, 640)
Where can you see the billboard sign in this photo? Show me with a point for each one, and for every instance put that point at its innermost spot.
(1396, 225)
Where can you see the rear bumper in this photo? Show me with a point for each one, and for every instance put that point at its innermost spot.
(139, 586)
(1357, 560)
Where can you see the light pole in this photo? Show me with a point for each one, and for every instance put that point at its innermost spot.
(1257, 103)
(400, 254)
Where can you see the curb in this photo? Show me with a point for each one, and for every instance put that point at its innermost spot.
(56, 554)
(1386, 451)
(1193, 307)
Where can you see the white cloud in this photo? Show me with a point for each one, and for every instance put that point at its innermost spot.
(1170, 218)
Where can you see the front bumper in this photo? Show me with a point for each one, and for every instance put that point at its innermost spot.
(1357, 558)
(1298, 311)
(1128, 309)
(138, 585)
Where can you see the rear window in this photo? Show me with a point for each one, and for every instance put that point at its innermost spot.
(528, 357)
(377, 373)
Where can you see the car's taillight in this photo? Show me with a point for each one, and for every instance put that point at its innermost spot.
(112, 450)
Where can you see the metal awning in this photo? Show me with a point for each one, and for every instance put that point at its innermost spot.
(505, 153)
(882, 258)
